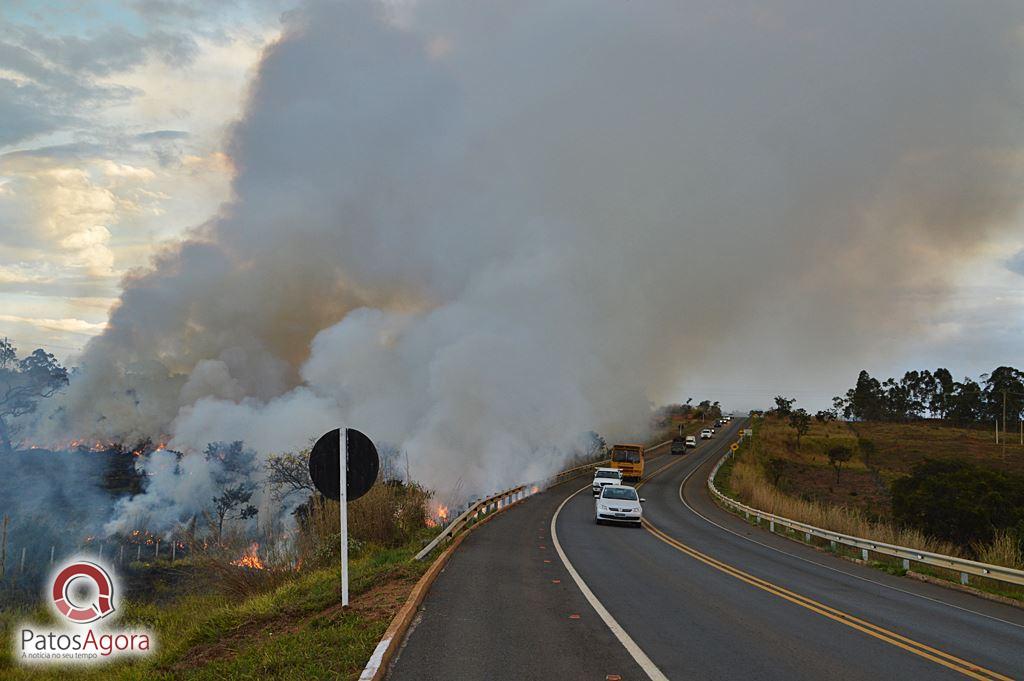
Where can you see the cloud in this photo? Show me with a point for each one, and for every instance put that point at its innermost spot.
(1016, 263)
(67, 324)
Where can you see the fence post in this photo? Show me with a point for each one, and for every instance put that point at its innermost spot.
(23, 559)
(121, 559)
(51, 555)
(156, 554)
(138, 554)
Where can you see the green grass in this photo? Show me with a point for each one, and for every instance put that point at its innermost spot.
(293, 631)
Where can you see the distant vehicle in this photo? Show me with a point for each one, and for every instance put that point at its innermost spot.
(691, 441)
(630, 460)
(678, 445)
(707, 434)
(618, 504)
(605, 476)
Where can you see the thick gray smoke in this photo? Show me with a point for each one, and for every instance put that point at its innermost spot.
(478, 230)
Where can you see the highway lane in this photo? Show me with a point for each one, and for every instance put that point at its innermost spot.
(694, 618)
(504, 607)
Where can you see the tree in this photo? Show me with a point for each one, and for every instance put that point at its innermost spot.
(943, 392)
(775, 468)
(966, 403)
(837, 456)
(826, 415)
(233, 504)
(1008, 381)
(867, 399)
(783, 406)
(23, 383)
(288, 474)
(800, 421)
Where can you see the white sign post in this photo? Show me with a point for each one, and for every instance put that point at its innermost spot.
(343, 514)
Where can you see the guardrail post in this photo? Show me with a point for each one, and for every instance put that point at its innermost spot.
(832, 544)
(864, 554)
(807, 537)
(906, 564)
(964, 578)
(771, 525)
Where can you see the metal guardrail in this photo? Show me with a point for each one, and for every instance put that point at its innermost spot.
(962, 565)
(502, 500)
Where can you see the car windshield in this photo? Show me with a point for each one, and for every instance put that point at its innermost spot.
(615, 475)
(626, 493)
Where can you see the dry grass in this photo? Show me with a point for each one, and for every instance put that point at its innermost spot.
(1004, 549)
(749, 483)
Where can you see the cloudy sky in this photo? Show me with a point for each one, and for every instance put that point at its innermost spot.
(113, 116)
(115, 129)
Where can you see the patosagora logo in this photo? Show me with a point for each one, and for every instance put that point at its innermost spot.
(82, 593)
(63, 596)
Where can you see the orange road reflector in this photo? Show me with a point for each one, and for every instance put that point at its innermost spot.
(546, 560)
(556, 581)
(574, 617)
(613, 677)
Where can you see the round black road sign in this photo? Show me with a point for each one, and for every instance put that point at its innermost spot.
(325, 464)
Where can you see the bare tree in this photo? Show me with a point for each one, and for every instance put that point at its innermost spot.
(288, 474)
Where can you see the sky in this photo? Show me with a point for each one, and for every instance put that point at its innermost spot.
(113, 119)
(119, 141)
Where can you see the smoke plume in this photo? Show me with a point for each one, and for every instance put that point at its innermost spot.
(479, 230)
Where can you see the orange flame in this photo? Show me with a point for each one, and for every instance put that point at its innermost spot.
(250, 559)
(442, 513)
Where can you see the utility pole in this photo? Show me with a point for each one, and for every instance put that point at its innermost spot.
(1004, 424)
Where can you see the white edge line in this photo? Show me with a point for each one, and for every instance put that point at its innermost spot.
(625, 639)
(829, 567)
(374, 664)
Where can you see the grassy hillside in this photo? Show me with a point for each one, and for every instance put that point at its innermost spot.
(882, 452)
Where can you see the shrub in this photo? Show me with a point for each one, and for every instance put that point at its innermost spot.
(958, 501)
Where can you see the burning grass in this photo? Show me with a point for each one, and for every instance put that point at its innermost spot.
(292, 629)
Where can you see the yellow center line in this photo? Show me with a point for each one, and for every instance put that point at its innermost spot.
(939, 657)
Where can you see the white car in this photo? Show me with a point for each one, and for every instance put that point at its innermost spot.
(618, 504)
(605, 476)
(707, 434)
(691, 441)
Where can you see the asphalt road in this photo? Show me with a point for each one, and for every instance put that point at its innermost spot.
(700, 592)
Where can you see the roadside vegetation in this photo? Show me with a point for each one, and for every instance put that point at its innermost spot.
(910, 478)
(218, 615)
